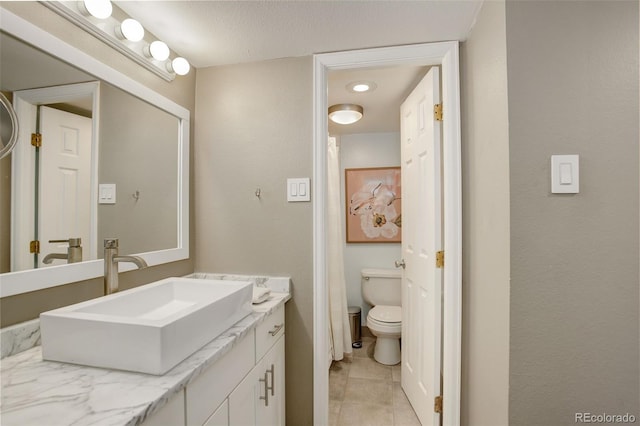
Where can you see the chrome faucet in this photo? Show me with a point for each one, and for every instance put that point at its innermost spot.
(111, 260)
(73, 255)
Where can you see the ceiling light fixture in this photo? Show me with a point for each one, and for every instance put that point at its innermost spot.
(100, 9)
(125, 35)
(345, 113)
(130, 29)
(361, 86)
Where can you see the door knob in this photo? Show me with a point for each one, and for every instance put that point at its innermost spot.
(400, 263)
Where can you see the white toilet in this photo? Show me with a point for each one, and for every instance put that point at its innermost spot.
(382, 289)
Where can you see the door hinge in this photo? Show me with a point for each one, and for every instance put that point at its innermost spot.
(34, 246)
(36, 139)
(437, 404)
(440, 259)
(437, 112)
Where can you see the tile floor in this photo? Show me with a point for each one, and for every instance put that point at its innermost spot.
(365, 393)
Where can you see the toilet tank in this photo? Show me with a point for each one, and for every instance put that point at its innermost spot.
(382, 286)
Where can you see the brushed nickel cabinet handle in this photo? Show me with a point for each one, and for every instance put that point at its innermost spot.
(272, 370)
(266, 389)
(276, 329)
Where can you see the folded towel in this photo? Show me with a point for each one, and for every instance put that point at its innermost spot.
(260, 294)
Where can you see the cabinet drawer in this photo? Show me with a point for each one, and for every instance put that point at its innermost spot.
(268, 332)
(210, 389)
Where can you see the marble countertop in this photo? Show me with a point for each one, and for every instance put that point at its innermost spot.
(37, 392)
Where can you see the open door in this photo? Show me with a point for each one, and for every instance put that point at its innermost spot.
(65, 181)
(421, 241)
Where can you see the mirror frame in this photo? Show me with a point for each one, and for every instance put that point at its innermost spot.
(6, 148)
(13, 283)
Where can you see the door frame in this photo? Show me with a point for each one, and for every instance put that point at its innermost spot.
(23, 159)
(446, 55)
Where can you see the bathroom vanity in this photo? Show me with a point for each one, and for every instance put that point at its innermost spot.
(236, 379)
(244, 387)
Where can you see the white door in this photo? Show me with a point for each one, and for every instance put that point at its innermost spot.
(65, 181)
(421, 240)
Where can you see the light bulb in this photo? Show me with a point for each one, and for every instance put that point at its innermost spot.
(361, 87)
(130, 29)
(100, 9)
(157, 50)
(179, 65)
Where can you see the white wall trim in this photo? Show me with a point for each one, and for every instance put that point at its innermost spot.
(446, 55)
(22, 192)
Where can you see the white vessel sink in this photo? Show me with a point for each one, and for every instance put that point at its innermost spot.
(148, 329)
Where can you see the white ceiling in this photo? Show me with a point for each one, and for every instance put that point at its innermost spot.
(381, 106)
(212, 33)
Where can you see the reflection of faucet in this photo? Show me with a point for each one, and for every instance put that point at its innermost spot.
(49, 258)
(111, 260)
(74, 252)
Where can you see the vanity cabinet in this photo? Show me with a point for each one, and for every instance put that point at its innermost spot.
(208, 392)
(259, 399)
(232, 391)
(220, 417)
(170, 414)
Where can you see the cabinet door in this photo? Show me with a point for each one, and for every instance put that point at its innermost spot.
(271, 409)
(220, 417)
(209, 390)
(259, 398)
(243, 401)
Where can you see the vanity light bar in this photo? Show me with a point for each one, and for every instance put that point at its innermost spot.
(112, 32)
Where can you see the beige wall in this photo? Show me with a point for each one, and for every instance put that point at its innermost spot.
(138, 151)
(254, 131)
(485, 215)
(27, 306)
(573, 89)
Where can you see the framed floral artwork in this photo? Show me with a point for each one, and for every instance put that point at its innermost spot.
(373, 205)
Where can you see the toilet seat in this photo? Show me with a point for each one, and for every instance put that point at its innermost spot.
(384, 328)
(385, 320)
(386, 314)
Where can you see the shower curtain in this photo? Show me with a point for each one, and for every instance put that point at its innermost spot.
(339, 329)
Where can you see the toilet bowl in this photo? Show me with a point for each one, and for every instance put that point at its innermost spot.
(381, 288)
(385, 322)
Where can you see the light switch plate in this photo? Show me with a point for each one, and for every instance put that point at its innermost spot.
(565, 174)
(298, 189)
(107, 193)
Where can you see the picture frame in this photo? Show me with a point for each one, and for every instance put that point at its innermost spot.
(373, 205)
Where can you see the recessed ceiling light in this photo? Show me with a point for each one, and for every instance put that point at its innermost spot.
(361, 86)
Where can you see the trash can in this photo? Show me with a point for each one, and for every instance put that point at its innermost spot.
(355, 314)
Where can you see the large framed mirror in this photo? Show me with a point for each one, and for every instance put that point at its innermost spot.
(113, 161)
